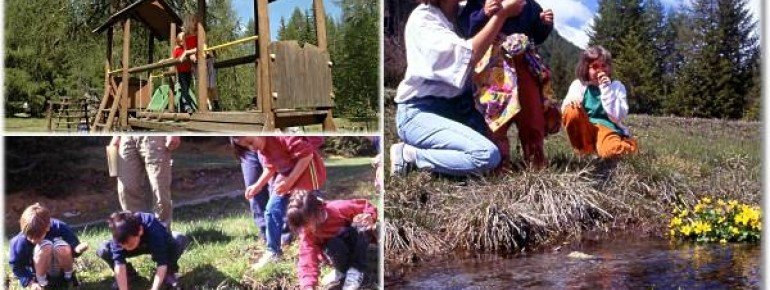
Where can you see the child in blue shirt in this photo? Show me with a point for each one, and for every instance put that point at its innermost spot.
(139, 233)
(44, 248)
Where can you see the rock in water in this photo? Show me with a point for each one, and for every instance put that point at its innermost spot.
(580, 256)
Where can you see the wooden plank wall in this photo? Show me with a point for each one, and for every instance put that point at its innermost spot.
(300, 76)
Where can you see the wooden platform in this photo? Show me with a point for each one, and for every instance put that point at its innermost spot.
(223, 121)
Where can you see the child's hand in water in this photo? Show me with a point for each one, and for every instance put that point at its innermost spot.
(547, 16)
(364, 221)
(492, 6)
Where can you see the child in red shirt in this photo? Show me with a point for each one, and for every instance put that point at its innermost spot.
(183, 74)
(289, 164)
(338, 230)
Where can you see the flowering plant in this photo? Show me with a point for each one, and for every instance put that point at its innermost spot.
(718, 221)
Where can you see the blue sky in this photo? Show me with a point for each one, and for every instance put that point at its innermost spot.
(574, 17)
(282, 8)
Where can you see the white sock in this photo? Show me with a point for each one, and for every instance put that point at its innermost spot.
(68, 275)
(42, 280)
(410, 153)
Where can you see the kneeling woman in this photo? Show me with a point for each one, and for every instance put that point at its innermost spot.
(595, 107)
(436, 116)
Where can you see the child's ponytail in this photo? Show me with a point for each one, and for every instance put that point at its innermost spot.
(305, 209)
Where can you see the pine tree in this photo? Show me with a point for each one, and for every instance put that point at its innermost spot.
(718, 69)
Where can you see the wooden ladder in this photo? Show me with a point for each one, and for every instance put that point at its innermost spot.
(111, 99)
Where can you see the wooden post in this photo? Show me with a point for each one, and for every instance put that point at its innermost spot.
(123, 96)
(203, 94)
(172, 44)
(49, 115)
(264, 92)
(320, 23)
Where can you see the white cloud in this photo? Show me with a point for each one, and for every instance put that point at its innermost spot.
(571, 18)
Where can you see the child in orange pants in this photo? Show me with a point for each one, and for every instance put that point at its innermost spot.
(595, 107)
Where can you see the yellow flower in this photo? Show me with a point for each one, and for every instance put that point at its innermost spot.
(672, 232)
(731, 205)
(701, 227)
(722, 241)
(686, 230)
(721, 202)
(734, 230)
(721, 219)
(706, 200)
(698, 208)
(683, 213)
(675, 222)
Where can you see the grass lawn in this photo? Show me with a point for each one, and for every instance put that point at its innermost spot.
(680, 161)
(25, 125)
(224, 239)
(343, 125)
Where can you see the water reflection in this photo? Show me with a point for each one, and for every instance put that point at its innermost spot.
(620, 263)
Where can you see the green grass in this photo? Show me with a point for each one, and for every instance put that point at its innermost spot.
(343, 125)
(25, 125)
(224, 243)
(224, 239)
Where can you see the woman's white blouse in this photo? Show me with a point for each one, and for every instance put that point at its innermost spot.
(438, 60)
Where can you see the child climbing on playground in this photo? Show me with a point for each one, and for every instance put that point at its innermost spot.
(43, 252)
(289, 164)
(595, 108)
(191, 48)
(512, 82)
(336, 231)
(138, 233)
(183, 74)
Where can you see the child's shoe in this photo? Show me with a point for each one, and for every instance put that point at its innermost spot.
(72, 282)
(353, 279)
(171, 281)
(267, 258)
(332, 279)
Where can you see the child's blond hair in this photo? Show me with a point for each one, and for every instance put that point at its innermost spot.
(35, 221)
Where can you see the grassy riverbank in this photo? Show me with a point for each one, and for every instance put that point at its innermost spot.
(680, 160)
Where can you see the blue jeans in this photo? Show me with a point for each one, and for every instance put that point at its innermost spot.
(275, 212)
(185, 100)
(449, 135)
(252, 169)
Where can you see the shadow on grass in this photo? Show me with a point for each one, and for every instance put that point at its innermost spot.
(208, 235)
(207, 277)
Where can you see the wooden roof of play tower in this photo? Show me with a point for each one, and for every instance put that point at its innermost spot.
(156, 14)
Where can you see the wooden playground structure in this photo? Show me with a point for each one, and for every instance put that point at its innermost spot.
(293, 83)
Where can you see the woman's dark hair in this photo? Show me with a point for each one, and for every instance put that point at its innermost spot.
(239, 150)
(304, 207)
(124, 225)
(429, 2)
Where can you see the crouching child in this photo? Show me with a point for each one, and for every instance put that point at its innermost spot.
(42, 254)
(338, 231)
(135, 234)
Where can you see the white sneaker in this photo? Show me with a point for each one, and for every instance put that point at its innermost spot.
(267, 258)
(332, 279)
(353, 279)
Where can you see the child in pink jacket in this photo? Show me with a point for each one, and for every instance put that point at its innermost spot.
(338, 231)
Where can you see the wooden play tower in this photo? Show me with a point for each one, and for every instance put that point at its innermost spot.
(293, 83)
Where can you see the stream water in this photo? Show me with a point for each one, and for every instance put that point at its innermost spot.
(617, 263)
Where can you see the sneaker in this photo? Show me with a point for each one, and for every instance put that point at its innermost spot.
(287, 239)
(189, 110)
(267, 258)
(171, 281)
(332, 279)
(72, 282)
(353, 279)
(397, 164)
